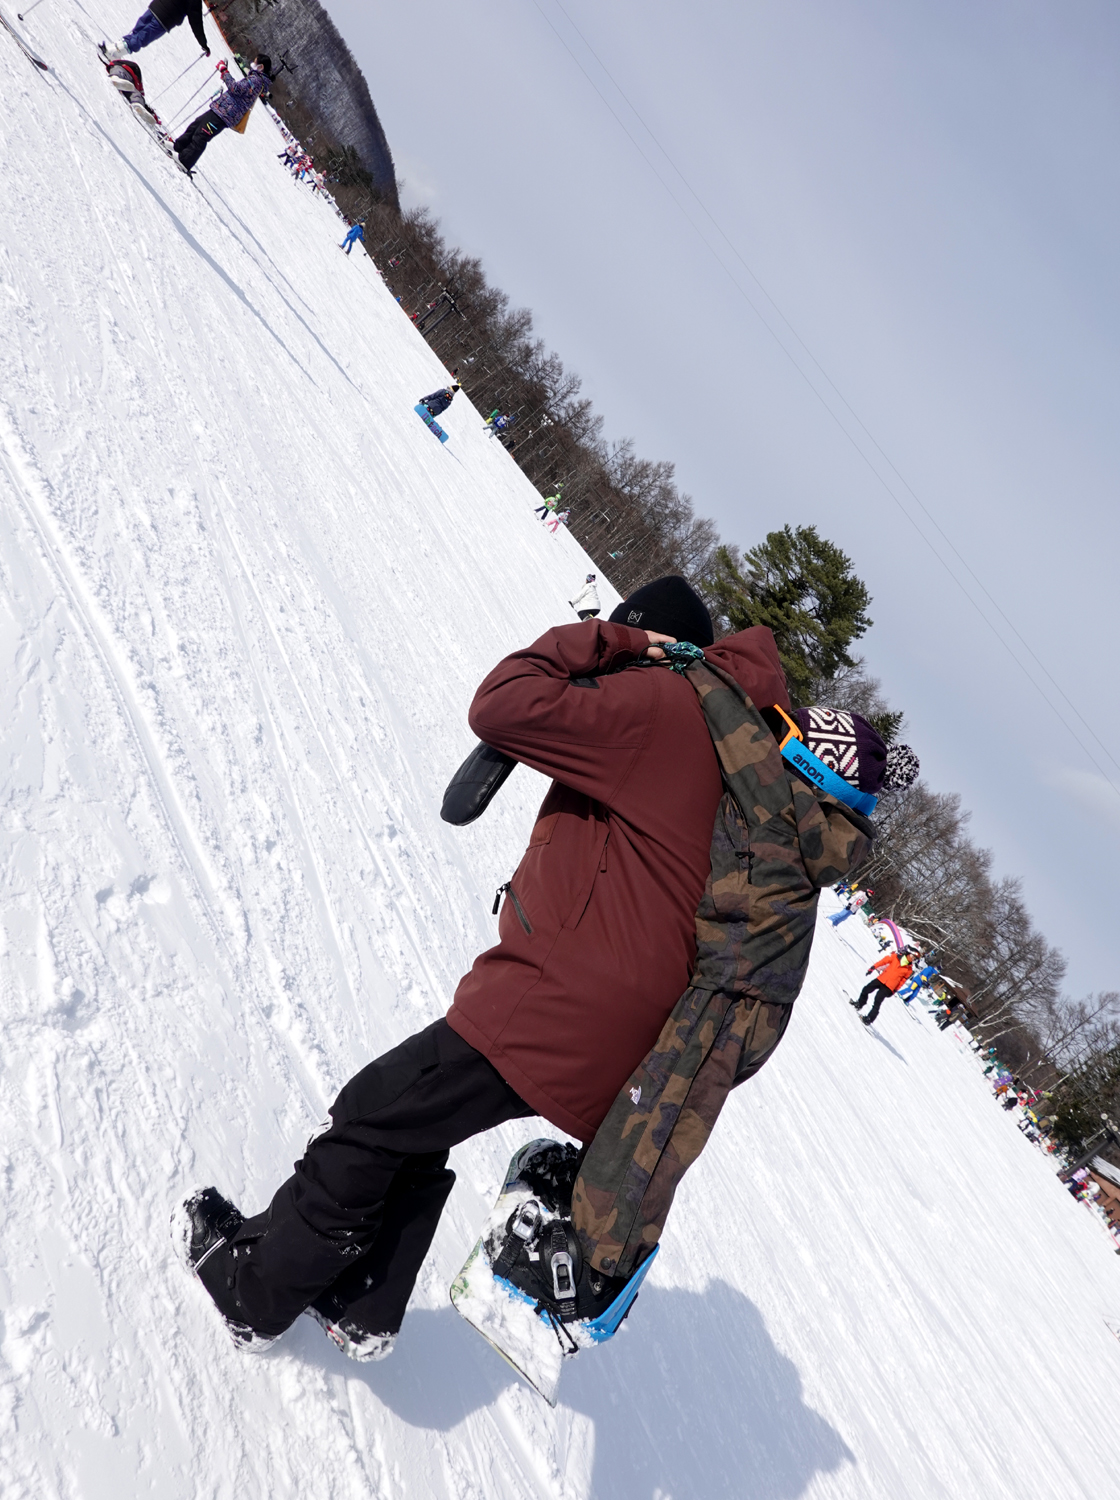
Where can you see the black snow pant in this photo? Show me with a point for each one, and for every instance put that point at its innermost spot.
(587, 614)
(197, 136)
(880, 991)
(350, 1229)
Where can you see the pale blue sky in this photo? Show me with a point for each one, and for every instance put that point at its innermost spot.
(930, 195)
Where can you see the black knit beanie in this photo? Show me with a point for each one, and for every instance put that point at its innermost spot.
(669, 607)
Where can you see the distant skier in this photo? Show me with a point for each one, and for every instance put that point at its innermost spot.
(893, 972)
(558, 520)
(226, 112)
(856, 900)
(438, 402)
(586, 602)
(356, 232)
(161, 17)
(549, 504)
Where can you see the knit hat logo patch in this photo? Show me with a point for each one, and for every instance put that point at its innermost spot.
(633, 617)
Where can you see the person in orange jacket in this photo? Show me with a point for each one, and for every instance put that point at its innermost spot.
(894, 971)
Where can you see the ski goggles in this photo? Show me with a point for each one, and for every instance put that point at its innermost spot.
(794, 749)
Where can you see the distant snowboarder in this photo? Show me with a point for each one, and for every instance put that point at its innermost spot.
(586, 602)
(355, 233)
(891, 973)
(226, 112)
(161, 17)
(438, 402)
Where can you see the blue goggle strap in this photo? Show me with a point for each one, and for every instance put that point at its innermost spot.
(806, 764)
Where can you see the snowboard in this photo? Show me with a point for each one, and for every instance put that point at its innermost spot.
(32, 57)
(528, 1335)
(430, 421)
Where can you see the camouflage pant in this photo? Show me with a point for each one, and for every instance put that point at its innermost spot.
(661, 1121)
(776, 842)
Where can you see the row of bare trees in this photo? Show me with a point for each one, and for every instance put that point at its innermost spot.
(631, 517)
(931, 878)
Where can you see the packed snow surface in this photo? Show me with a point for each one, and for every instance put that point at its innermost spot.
(245, 598)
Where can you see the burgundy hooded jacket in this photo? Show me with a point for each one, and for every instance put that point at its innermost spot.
(597, 933)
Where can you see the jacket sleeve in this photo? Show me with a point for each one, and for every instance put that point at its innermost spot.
(585, 738)
(194, 17)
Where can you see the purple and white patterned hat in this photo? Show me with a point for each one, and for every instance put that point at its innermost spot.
(848, 745)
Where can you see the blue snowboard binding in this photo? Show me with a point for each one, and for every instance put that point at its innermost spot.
(526, 1287)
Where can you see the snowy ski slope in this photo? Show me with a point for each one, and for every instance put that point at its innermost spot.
(244, 600)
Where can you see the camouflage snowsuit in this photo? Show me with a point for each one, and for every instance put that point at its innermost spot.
(777, 842)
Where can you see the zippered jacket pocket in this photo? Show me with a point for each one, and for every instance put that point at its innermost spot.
(518, 908)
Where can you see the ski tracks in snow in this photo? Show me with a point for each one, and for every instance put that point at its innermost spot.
(246, 599)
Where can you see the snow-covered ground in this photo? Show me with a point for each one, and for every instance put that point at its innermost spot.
(244, 600)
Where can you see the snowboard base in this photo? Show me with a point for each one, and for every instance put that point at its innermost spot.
(430, 422)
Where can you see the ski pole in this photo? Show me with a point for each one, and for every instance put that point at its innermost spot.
(186, 102)
(23, 14)
(175, 80)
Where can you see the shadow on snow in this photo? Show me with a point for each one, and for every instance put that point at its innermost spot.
(692, 1401)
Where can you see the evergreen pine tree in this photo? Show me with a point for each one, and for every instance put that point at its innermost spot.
(803, 588)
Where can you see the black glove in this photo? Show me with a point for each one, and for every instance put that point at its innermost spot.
(475, 784)
(206, 51)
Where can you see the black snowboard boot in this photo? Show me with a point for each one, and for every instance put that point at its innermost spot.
(202, 1227)
(550, 1172)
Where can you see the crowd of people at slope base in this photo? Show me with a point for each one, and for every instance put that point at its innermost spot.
(898, 972)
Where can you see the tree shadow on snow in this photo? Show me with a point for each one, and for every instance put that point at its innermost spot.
(692, 1400)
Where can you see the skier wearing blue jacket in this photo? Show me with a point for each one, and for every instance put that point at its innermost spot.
(354, 233)
(229, 110)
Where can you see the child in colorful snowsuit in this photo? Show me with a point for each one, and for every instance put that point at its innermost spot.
(227, 111)
(558, 521)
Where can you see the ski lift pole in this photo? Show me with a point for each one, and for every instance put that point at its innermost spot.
(175, 80)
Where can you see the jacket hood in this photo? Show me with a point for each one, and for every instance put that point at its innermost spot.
(751, 657)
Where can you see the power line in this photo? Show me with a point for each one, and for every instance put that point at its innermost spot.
(840, 397)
